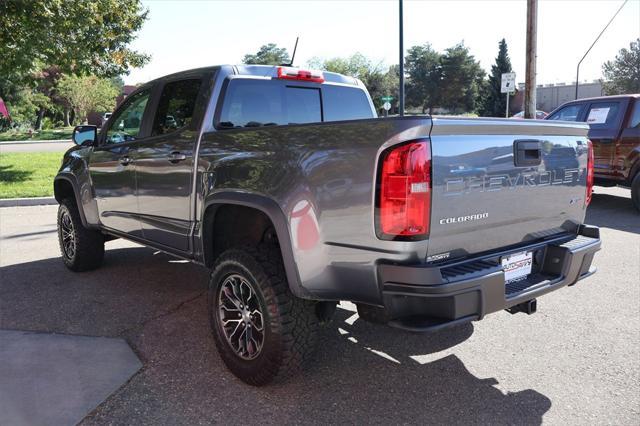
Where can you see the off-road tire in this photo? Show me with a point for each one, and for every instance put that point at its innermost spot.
(635, 191)
(290, 324)
(88, 244)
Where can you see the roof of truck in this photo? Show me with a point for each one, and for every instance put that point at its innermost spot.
(259, 71)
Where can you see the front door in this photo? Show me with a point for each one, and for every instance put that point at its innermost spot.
(112, 166)
(165, 163)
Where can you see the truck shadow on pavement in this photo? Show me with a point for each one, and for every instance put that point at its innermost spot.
(612, 211)
(361, 372)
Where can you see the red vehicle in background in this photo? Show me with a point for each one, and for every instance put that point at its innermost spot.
(540, 115)
(614, 123)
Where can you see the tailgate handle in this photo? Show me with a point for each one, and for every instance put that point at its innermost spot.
(527, 153)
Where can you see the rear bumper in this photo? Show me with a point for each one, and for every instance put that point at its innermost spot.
(427, 298)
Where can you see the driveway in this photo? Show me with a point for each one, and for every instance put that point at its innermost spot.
(576, 361)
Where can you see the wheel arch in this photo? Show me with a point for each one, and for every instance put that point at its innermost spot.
(264, 206)
(65, 186)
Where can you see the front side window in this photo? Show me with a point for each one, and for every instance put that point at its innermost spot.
(568, 113)
(257, 103)
(176, 106)
(128, 121)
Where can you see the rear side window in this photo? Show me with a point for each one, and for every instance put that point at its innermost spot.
(176, 106)
(568, 113)
(256, 103)
(603, 114)
(345, 103)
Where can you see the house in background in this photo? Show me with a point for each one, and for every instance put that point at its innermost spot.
(551, 96)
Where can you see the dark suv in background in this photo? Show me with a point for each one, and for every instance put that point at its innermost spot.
(614, 130)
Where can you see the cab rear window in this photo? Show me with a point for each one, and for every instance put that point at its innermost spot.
(259, 103)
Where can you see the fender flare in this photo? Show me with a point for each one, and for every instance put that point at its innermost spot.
(635, 164)
(277, 217)
(74, 185)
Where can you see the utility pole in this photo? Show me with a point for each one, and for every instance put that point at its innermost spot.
(593, 44)
(532, 53)
(401, 65)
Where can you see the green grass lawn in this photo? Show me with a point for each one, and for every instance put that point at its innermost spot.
(28, 174)
(43, 135)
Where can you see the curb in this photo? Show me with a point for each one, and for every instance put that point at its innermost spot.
(21, 202)
(35, 141)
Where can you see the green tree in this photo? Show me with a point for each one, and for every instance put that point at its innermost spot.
(378, 81)
(87, 93)
(493, 102)
(25, 106)
(622, 75)
(424, 74)
(269, 54)
(79, 37)
(462, 80)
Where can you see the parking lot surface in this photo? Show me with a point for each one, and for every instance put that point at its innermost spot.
(576, 361)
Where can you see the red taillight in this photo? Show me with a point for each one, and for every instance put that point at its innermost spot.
(290, 73)
(587, 198)
(405, 191)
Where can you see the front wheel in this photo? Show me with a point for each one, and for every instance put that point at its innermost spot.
(82, 249)
(635, 191)
(262, 331)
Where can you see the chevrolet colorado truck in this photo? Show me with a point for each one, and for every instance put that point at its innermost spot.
(614, 131)
(288, 187)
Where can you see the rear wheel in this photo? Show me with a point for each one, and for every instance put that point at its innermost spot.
(82, 249)
(262, 331)
(635, 191)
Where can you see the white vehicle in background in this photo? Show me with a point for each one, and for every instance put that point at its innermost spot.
(105, 118)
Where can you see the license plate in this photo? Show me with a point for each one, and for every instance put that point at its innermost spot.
(517, 266)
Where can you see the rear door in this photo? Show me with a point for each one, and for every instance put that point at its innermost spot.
(165, 162)
(605, 120)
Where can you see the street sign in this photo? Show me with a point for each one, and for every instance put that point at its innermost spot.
(508, 82)
(386, 106)
(386, 98)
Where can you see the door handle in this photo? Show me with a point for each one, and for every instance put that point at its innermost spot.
(126, 160)
(176, 157)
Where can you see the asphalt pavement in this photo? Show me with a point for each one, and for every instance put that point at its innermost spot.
(576, 361)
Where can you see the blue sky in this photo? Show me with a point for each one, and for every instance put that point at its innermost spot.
(182, 34)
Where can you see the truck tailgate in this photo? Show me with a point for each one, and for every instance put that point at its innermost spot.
(489, 189)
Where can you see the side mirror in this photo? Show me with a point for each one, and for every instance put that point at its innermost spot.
(85, 135)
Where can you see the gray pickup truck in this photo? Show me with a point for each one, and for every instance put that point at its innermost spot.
(288, 187)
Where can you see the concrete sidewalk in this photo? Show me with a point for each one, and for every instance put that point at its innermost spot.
(22, 202)
(35, 141)
(60, 145)
(54, 379)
